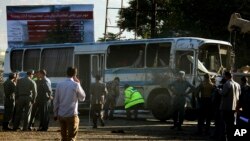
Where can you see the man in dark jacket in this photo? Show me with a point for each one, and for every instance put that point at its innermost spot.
(9, 100)
(44, 92)
(179, 88)
(97, 91)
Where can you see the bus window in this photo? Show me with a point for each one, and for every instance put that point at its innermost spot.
(31, 59)
(213, 57)
(131, 55)
(158, 54)
(182, 61)
(16, 60)
(56, 60)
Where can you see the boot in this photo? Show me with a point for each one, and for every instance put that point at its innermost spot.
(111, 117)
(6, 126)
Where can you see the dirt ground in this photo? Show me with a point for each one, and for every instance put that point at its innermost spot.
(142, 129)
(146, 128)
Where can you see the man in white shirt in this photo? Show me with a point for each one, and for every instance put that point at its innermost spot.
(66, 105)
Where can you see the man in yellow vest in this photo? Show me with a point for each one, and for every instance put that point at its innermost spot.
(133, 100)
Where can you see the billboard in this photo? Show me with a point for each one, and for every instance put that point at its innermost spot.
(49, 24)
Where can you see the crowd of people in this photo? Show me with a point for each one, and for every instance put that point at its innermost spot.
(30, 96)
(23, 98)
(27, 97)
(227, 105)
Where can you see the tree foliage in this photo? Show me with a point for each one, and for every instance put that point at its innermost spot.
(203, 18)
(109, 37)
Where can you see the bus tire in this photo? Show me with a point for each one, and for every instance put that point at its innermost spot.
(161, 107)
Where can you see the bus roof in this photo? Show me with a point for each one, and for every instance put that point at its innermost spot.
(102, 46)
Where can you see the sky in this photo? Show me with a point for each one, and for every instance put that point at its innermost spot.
(99, 15)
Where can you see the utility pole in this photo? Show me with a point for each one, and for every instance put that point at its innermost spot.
(153, 20)
(136, 20)
(106, 20)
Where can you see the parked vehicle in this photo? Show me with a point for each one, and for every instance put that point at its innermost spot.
(147, 64)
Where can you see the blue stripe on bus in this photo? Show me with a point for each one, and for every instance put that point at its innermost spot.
(129, 70)
(122, 83)
(137, 83)
(21, 74)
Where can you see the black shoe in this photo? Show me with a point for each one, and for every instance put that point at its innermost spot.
(111, 118)
(117, 131)
(16, 129)
(94, 126)
(173, 127)
(7, 129)
(180, 129)
(26, 129)
(102, 124)
(198, 133)
(41, 129)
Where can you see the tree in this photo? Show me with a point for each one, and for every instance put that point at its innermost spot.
(137, 17)
(110, 37)
(201, 18)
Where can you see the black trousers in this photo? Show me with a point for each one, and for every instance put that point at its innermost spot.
(135, 109)
(228, 123)
(97, 113)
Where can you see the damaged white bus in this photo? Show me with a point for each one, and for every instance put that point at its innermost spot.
(148, 64)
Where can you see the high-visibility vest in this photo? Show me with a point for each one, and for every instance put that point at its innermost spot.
(132, 97)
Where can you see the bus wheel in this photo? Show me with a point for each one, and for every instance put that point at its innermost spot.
(161, 107)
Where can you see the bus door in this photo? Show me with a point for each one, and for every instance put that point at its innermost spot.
(97, 66)
(82, 63)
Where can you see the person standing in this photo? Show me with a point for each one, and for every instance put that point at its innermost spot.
(26, 92)
(66, 98)
(44, 96)
(244, 105)
(113, 93)
(97, 91)
(179, 88)
(9, 87)
(35, 106)
(216, 100)
(206, 89)
(244, 99)
(133, 101)
(230, 97)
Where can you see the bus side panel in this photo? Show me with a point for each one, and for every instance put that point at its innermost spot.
(132, 76)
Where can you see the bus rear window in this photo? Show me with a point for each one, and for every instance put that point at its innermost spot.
(31, 59)
(16, 60)
(55, 61)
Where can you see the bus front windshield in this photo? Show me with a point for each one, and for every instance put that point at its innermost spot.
(214, 57)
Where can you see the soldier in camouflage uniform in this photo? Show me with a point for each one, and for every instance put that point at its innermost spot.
(9, 100)
(97, 91)
(113, 92)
